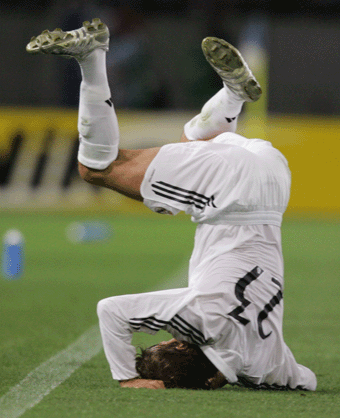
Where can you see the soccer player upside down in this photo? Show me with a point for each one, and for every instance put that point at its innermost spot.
(227, 324)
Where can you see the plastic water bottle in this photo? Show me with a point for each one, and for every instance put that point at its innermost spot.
(88, 231)
(13, 254)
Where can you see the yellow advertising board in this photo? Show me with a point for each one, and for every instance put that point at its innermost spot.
(38, 150)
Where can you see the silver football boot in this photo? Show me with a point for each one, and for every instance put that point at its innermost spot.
(76, 43)
(229, 64)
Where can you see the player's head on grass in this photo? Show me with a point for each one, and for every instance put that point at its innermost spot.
(177, 363)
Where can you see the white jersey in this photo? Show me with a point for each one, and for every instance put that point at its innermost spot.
(236, 190)
(239, 330)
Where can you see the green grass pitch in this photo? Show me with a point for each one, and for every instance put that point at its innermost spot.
(55, 302)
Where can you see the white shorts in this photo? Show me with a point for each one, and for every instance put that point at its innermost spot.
(229, 179)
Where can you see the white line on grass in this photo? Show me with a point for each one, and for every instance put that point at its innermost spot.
(46, 377)
(50, 374)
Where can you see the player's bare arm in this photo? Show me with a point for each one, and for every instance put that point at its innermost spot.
(142, 384)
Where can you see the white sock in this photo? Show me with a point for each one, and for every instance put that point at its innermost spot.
(218, 115)
(97, 120)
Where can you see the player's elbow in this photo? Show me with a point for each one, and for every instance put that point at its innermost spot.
(107, 309)
(102, 308)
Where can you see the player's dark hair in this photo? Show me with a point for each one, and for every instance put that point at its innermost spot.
(186, 368)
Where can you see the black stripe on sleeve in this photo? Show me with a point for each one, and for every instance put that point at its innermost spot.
(198, 332)
(149, 317)
(193, 338)
(177, 322)
(147, 325)
(149, 322)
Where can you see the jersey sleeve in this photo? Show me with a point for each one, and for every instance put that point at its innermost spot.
(121, 316)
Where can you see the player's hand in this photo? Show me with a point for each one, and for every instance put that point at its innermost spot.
(142, 383)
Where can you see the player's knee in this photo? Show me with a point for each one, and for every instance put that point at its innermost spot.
(90, 175)
(84, 172)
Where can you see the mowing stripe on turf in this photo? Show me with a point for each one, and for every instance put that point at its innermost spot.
(50, 374)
